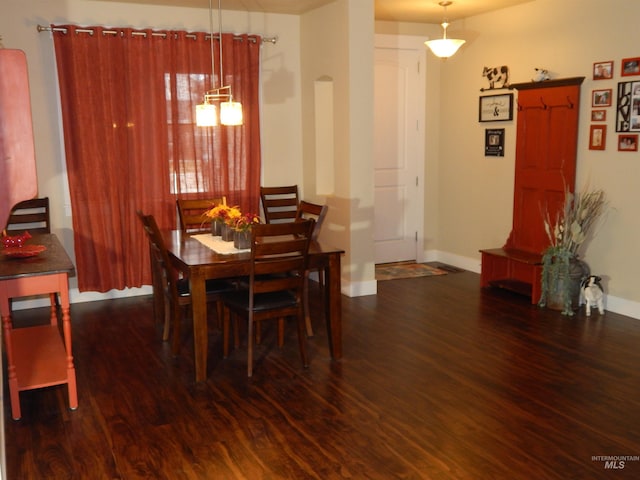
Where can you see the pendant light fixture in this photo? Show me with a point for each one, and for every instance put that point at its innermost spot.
(444, 47)
(230, 111)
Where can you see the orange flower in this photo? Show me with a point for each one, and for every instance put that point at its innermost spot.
(218, 212)
(223, 213)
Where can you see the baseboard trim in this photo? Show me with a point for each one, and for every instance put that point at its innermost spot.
(76, 297)
(360, 289)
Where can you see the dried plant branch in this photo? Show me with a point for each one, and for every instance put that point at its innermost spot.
(570, 228)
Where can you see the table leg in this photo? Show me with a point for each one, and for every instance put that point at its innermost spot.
(53, 309)
(333, 305)
(66, 330)
(12, 379)
(199, 311)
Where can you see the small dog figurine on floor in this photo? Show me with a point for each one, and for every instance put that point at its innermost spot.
(593, 293)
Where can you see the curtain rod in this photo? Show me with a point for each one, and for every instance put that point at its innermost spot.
(42, 28)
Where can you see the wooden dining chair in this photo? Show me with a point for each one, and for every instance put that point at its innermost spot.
(279, 257)
(171, 293)
(307, 210)
(30, 215)
(191, 213)
(279, 204)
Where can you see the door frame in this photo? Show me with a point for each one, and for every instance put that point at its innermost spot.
(415, 43)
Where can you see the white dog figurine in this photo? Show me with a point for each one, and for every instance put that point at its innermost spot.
(542, 75)
(593, 293)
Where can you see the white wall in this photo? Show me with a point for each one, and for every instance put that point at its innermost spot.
(344, 56)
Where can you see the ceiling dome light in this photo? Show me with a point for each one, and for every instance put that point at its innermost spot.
(444, 47)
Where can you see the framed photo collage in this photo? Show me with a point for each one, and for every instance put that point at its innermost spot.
(627, 100)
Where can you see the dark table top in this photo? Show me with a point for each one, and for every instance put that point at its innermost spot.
(53, 260)
(191, 252)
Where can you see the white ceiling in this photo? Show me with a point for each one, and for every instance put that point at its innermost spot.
(419, 11)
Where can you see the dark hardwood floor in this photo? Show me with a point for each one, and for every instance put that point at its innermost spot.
(440, 380)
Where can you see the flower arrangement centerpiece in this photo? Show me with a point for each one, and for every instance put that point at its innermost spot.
(242, 227)
(562, 271)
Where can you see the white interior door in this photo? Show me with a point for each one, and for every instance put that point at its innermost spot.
(399, 148)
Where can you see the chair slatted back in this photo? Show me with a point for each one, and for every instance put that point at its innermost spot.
(279, 204)
(308, 210)
(279, 255)
(32, 215)
(191, 213)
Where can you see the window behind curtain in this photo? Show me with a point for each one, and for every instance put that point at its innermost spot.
(189, 179)
(128, 101)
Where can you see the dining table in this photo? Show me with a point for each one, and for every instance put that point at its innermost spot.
(199, 262)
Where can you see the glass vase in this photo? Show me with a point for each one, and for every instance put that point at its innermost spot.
(242, 240)
(216, 228)
(227, 233)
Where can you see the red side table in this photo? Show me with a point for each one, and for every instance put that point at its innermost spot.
(38, 356)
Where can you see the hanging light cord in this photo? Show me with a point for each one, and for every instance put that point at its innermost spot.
(220, 40)
(213, 73)
(445, 20)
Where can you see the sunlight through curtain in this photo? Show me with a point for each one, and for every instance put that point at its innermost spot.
(128, 101)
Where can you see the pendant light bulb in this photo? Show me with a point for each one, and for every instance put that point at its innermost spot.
(231, 113)
(206, 115)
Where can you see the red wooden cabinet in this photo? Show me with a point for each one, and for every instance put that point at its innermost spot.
(546, 147)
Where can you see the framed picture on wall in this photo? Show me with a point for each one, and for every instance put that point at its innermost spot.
(603, 70)
(628, 107)
(496, 108)
(494, 142)
(598, 115)
(630, 66)
(628, 142)
(597, 137)
(601, 98)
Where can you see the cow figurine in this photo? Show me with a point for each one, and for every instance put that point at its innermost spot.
(593, 293)
(498, 77)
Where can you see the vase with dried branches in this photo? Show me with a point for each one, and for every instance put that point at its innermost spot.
(562, 270)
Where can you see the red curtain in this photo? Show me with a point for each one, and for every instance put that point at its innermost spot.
(128, 109)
